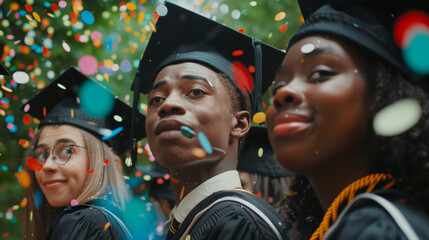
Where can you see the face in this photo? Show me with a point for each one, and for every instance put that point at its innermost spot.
(320, 105)
(191, 95)
(62, 183)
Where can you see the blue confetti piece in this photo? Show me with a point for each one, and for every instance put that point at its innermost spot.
(13, 129)
(87, 17)
(38, 196)
(114, 133)
(9, 119)
(204, 142)
(187, 132)
(19, 168)
(4, 168)
(416, 55)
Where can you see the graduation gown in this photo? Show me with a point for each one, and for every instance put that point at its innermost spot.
(232, 218)
(369, 220)
(88, 222)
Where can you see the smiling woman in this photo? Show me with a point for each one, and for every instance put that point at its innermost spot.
(77, 189)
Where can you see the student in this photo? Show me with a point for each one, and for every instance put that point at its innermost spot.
(259, 172)
(194, 105)
(77, 188)
(340, 70)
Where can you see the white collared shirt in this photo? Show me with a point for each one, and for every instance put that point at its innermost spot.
(224, 181)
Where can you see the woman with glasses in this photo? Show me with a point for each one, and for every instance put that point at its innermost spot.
(77, 189)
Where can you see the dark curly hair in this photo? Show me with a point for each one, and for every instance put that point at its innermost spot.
(405, 156)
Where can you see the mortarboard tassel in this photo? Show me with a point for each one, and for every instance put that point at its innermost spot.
(135, 121)
(257, 92)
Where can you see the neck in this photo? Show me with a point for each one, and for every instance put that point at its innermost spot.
(184, 180)
(330, 180)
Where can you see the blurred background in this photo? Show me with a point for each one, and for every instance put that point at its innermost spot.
(105, 39)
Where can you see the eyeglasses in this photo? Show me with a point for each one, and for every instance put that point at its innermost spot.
(61, 153)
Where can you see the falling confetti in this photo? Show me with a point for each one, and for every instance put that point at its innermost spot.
(242, 77)
(181, 192)
(21, 77)
(280, 16)
(88, 65)
(33, 164)
(87, 17)
(90, 93)
(74, 202)
(106, 226)
(187, 132)
(23, 178)
(90, 171)
(66, 47)
(114, 133)
(199, 153)
(259, 117)
(260, 152)
(397, 118)
(205, 143)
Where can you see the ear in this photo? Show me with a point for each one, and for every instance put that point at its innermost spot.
(241, 124)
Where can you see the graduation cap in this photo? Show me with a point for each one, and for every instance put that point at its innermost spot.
(58, 104)
(3, 69)
(184, 36)
(367, 23)
(257, 156)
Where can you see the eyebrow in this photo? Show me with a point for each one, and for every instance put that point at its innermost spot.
(322, 50)
(184, 77)
(61, 140)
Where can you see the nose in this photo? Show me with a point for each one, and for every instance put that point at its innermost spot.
(287, 96)
(172, 105)
(50, 166)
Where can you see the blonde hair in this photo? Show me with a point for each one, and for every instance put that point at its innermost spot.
(105, 182)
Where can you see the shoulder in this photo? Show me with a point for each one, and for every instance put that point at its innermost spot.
(80, 222)
(237, 216)
(370, 220)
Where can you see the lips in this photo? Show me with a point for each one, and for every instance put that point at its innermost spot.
(166, 127)
(290, 123)
(54, 183)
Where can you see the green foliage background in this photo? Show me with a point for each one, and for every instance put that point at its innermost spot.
(258, 21)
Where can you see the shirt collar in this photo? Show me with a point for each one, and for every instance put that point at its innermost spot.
(223, 181)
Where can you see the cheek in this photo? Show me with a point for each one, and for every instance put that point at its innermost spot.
(38, 176)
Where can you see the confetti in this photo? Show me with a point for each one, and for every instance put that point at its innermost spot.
(94, 100)
(88, 65)
(161, 10)
(114, 133)
(181, 192)
(175, 180)
(259, 117)
(23, 202)
(33, 164)
(21, 77)
(74, 202)
(66, 47)
(237, 53)
(199, 153)
(188, 237)
(187, 132)
(260, 152)
(280, 16)
(106, 226)
(106, 161)
(397, 117)
(24, 178)
(242, 77)
(90, 171)
(205, 143)
(87, 17)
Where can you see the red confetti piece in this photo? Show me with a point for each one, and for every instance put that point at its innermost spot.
(31, 133)
(54, 7)
(241, 30)
(28, 7)
(406, 22)
(283, 28)
(251, 69)
(139, 173)
(44, 112)
(258, 194)
(26, 119)
(5, 234)
(242, 77)
(106, 161)
(33, 164)
(237, 53)
(160, 181)
(91, 171)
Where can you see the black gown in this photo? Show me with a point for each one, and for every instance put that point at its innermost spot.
(88, 222)
(231, 219)
(368, 220)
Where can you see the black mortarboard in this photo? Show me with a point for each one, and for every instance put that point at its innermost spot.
(57, 104)
(184, 36)
(257, 156)
(3, 70)
(367, 23)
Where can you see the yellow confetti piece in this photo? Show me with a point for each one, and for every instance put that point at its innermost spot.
(106, 226)
(260, 152)
(259, 117)
(106, 77)
(71, 113)
(290, 193)
(140, 17)
(6, 89)
(36, 16)
(152, 26)
(208, 7)
(188, 237)
(29, 18)
(301, 19)
(143, 38)
(31, 215)
(51, 15)
(181, 193)
(15, 207)
(280, 16)
(131, 6)
(128, 29)
(108, 63)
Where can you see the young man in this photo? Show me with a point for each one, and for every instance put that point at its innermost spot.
(195, 119)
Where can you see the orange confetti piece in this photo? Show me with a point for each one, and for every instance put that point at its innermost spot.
(301, 19)
(106, 161)
(6, 89)
(280, 16)
(24, 178)
(91, 171)
(208, 7)
(106, 226)
(139, 173)
(44, 112)
(251, 69)
(199, 153)
(237, 53)
(181, 192)
(152, 26)
(23, 203)
(176, 180)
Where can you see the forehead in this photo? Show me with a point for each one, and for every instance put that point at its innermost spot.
(187, 69)
(52, 133)
(312, 44)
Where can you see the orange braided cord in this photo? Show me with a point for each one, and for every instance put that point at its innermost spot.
(349, 193)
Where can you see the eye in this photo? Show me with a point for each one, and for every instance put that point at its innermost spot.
(196, 92)
(321, 75)
(277, 87)
(155, 100)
